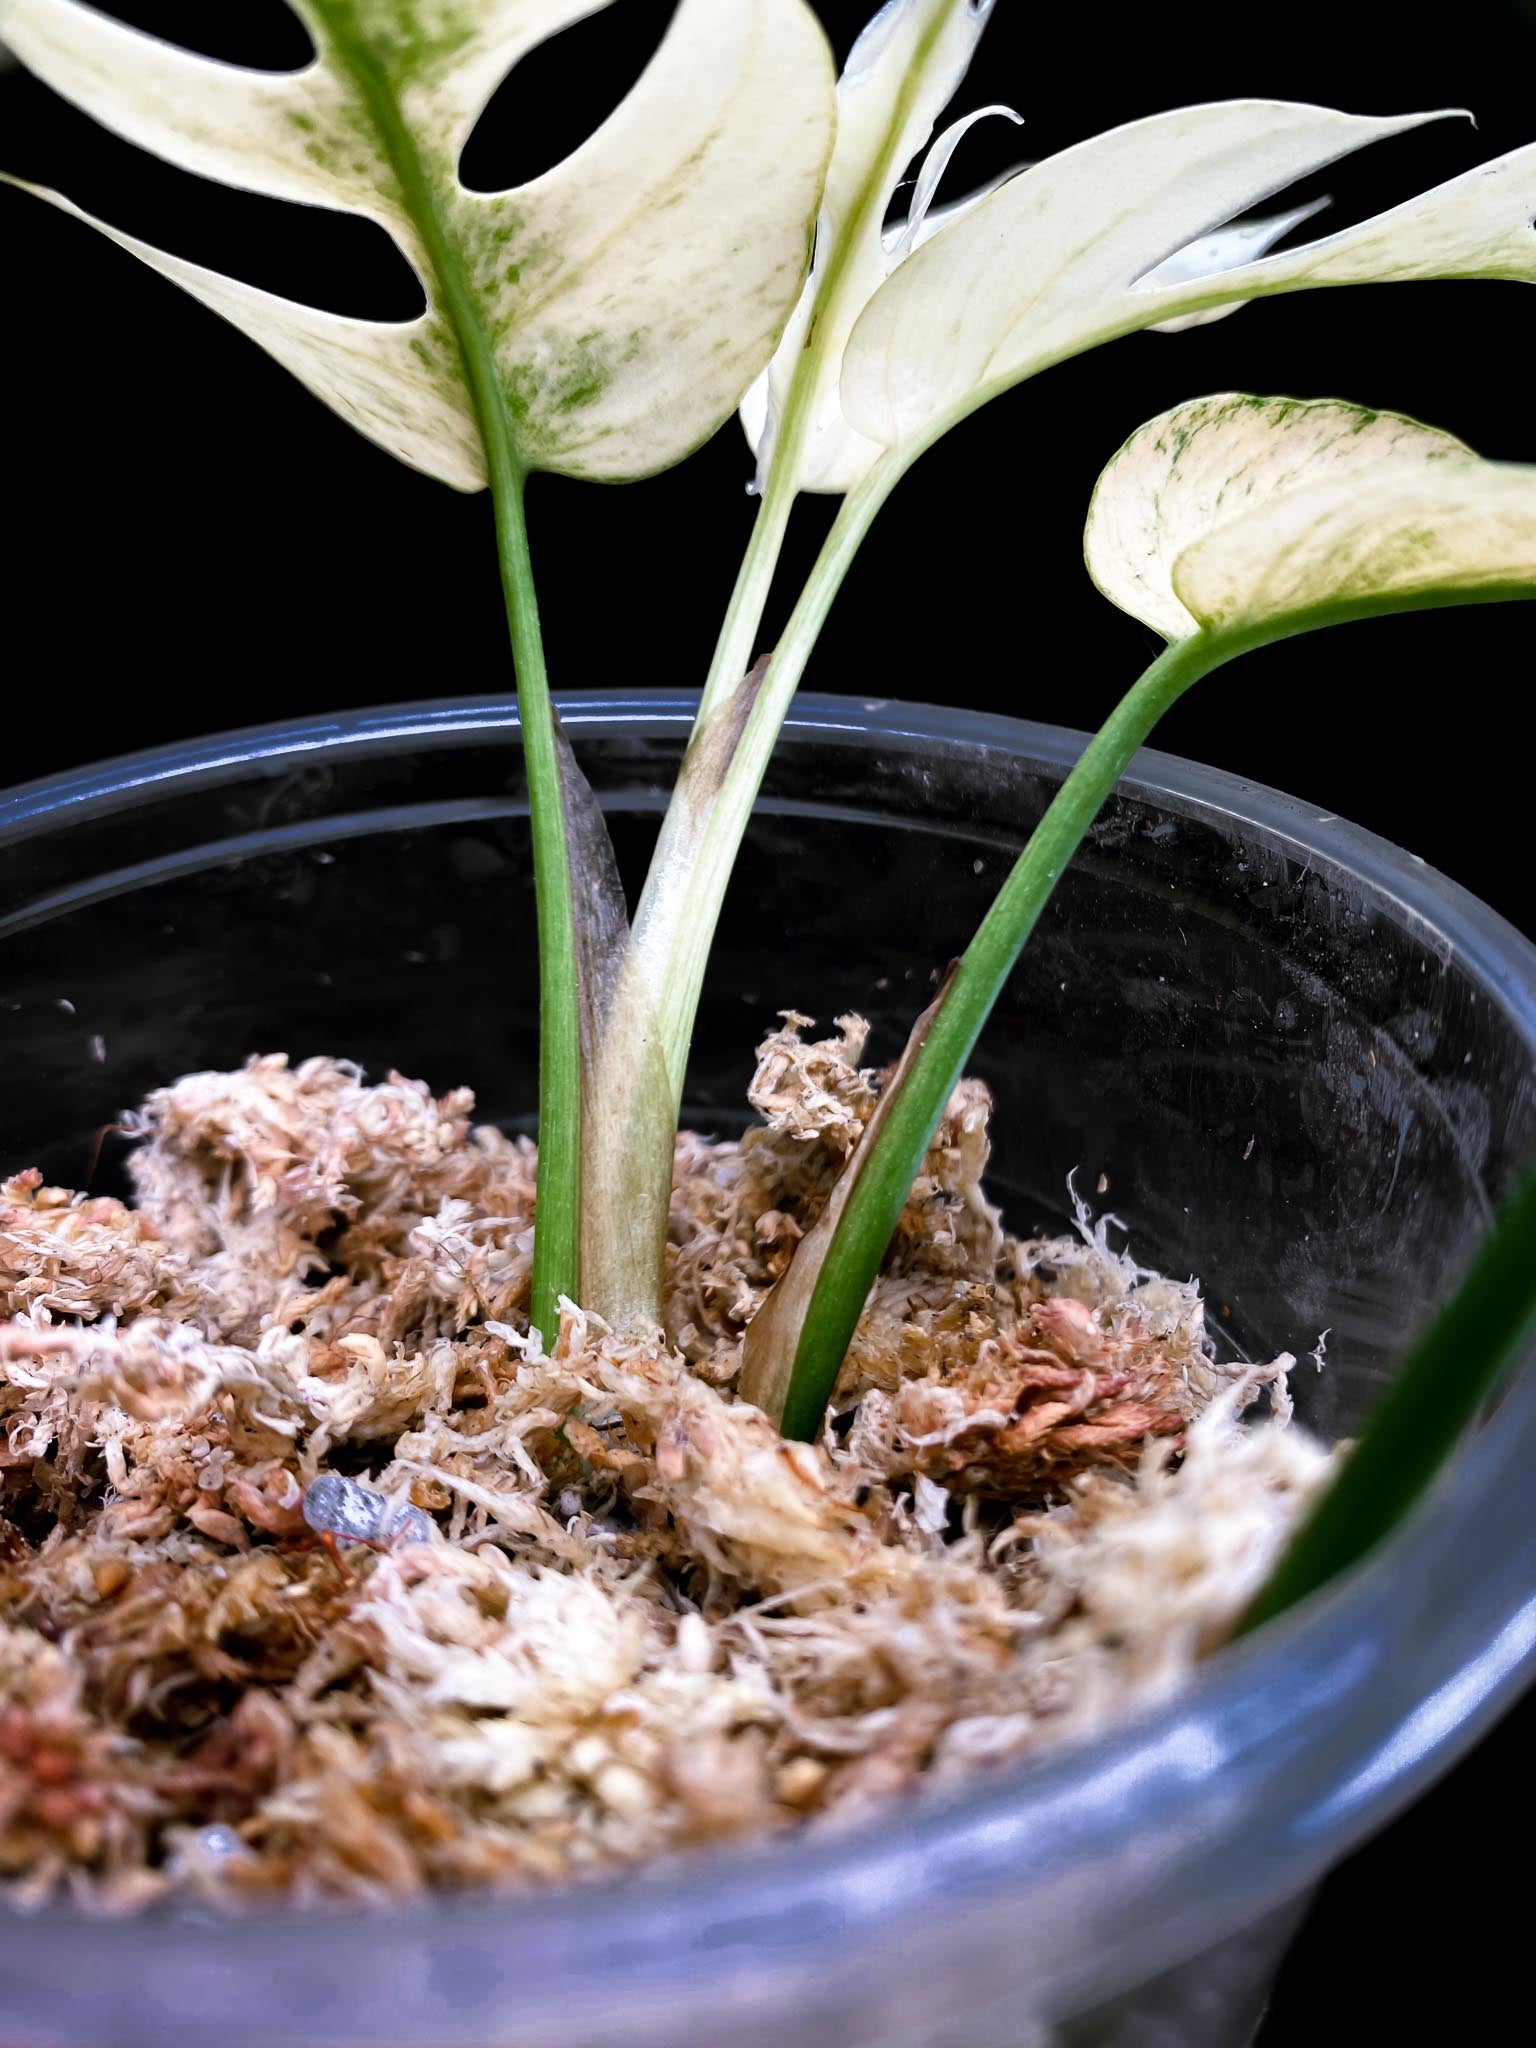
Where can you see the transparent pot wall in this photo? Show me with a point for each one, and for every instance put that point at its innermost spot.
(1290, 1082)
(1301, 1063)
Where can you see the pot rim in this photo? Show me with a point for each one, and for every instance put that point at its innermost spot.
(1264, 1748)
(1501, 953)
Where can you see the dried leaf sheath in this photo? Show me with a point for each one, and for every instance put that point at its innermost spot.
(776, 1372)
(628, 1108)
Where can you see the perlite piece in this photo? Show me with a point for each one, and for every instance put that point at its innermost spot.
(334, 1506)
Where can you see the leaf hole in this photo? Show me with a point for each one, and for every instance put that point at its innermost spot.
(1379, 176)
(1355, 188)
(335, 261)
(266, 35)
(551, 102)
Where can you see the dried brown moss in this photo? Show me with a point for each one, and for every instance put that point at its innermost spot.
(639, 1621)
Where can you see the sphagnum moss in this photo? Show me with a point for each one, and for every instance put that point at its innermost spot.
(580, 1606)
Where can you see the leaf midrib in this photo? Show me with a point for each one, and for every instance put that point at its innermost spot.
(454, 295)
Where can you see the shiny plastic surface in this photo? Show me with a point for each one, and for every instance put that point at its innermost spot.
(1303, 1061)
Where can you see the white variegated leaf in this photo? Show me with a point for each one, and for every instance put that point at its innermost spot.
(901, 74)
(626, 298)
(903, 236)
(1234, 512)
(1068, 254)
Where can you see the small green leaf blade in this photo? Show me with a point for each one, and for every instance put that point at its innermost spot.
(1457, 1365)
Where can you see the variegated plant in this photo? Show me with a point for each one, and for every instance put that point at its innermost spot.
(900, 334)
(722, 240)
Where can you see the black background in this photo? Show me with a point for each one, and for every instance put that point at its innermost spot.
(194, 543)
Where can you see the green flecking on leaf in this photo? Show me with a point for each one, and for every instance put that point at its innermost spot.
(1225, 524)
(1456, 1365)
(600, 321)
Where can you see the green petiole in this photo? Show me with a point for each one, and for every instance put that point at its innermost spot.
(802, 1386)
(796, 1386)
(557, 1239)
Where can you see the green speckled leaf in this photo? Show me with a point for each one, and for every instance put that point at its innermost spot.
(1068, 253)
(626, 298)
(1233, 512)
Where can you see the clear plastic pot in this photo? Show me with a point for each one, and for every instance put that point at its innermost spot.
(1302, 1060)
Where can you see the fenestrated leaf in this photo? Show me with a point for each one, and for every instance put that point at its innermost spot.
(623, 300)
(1233, 512)
(1067, 254)
(900, 75)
